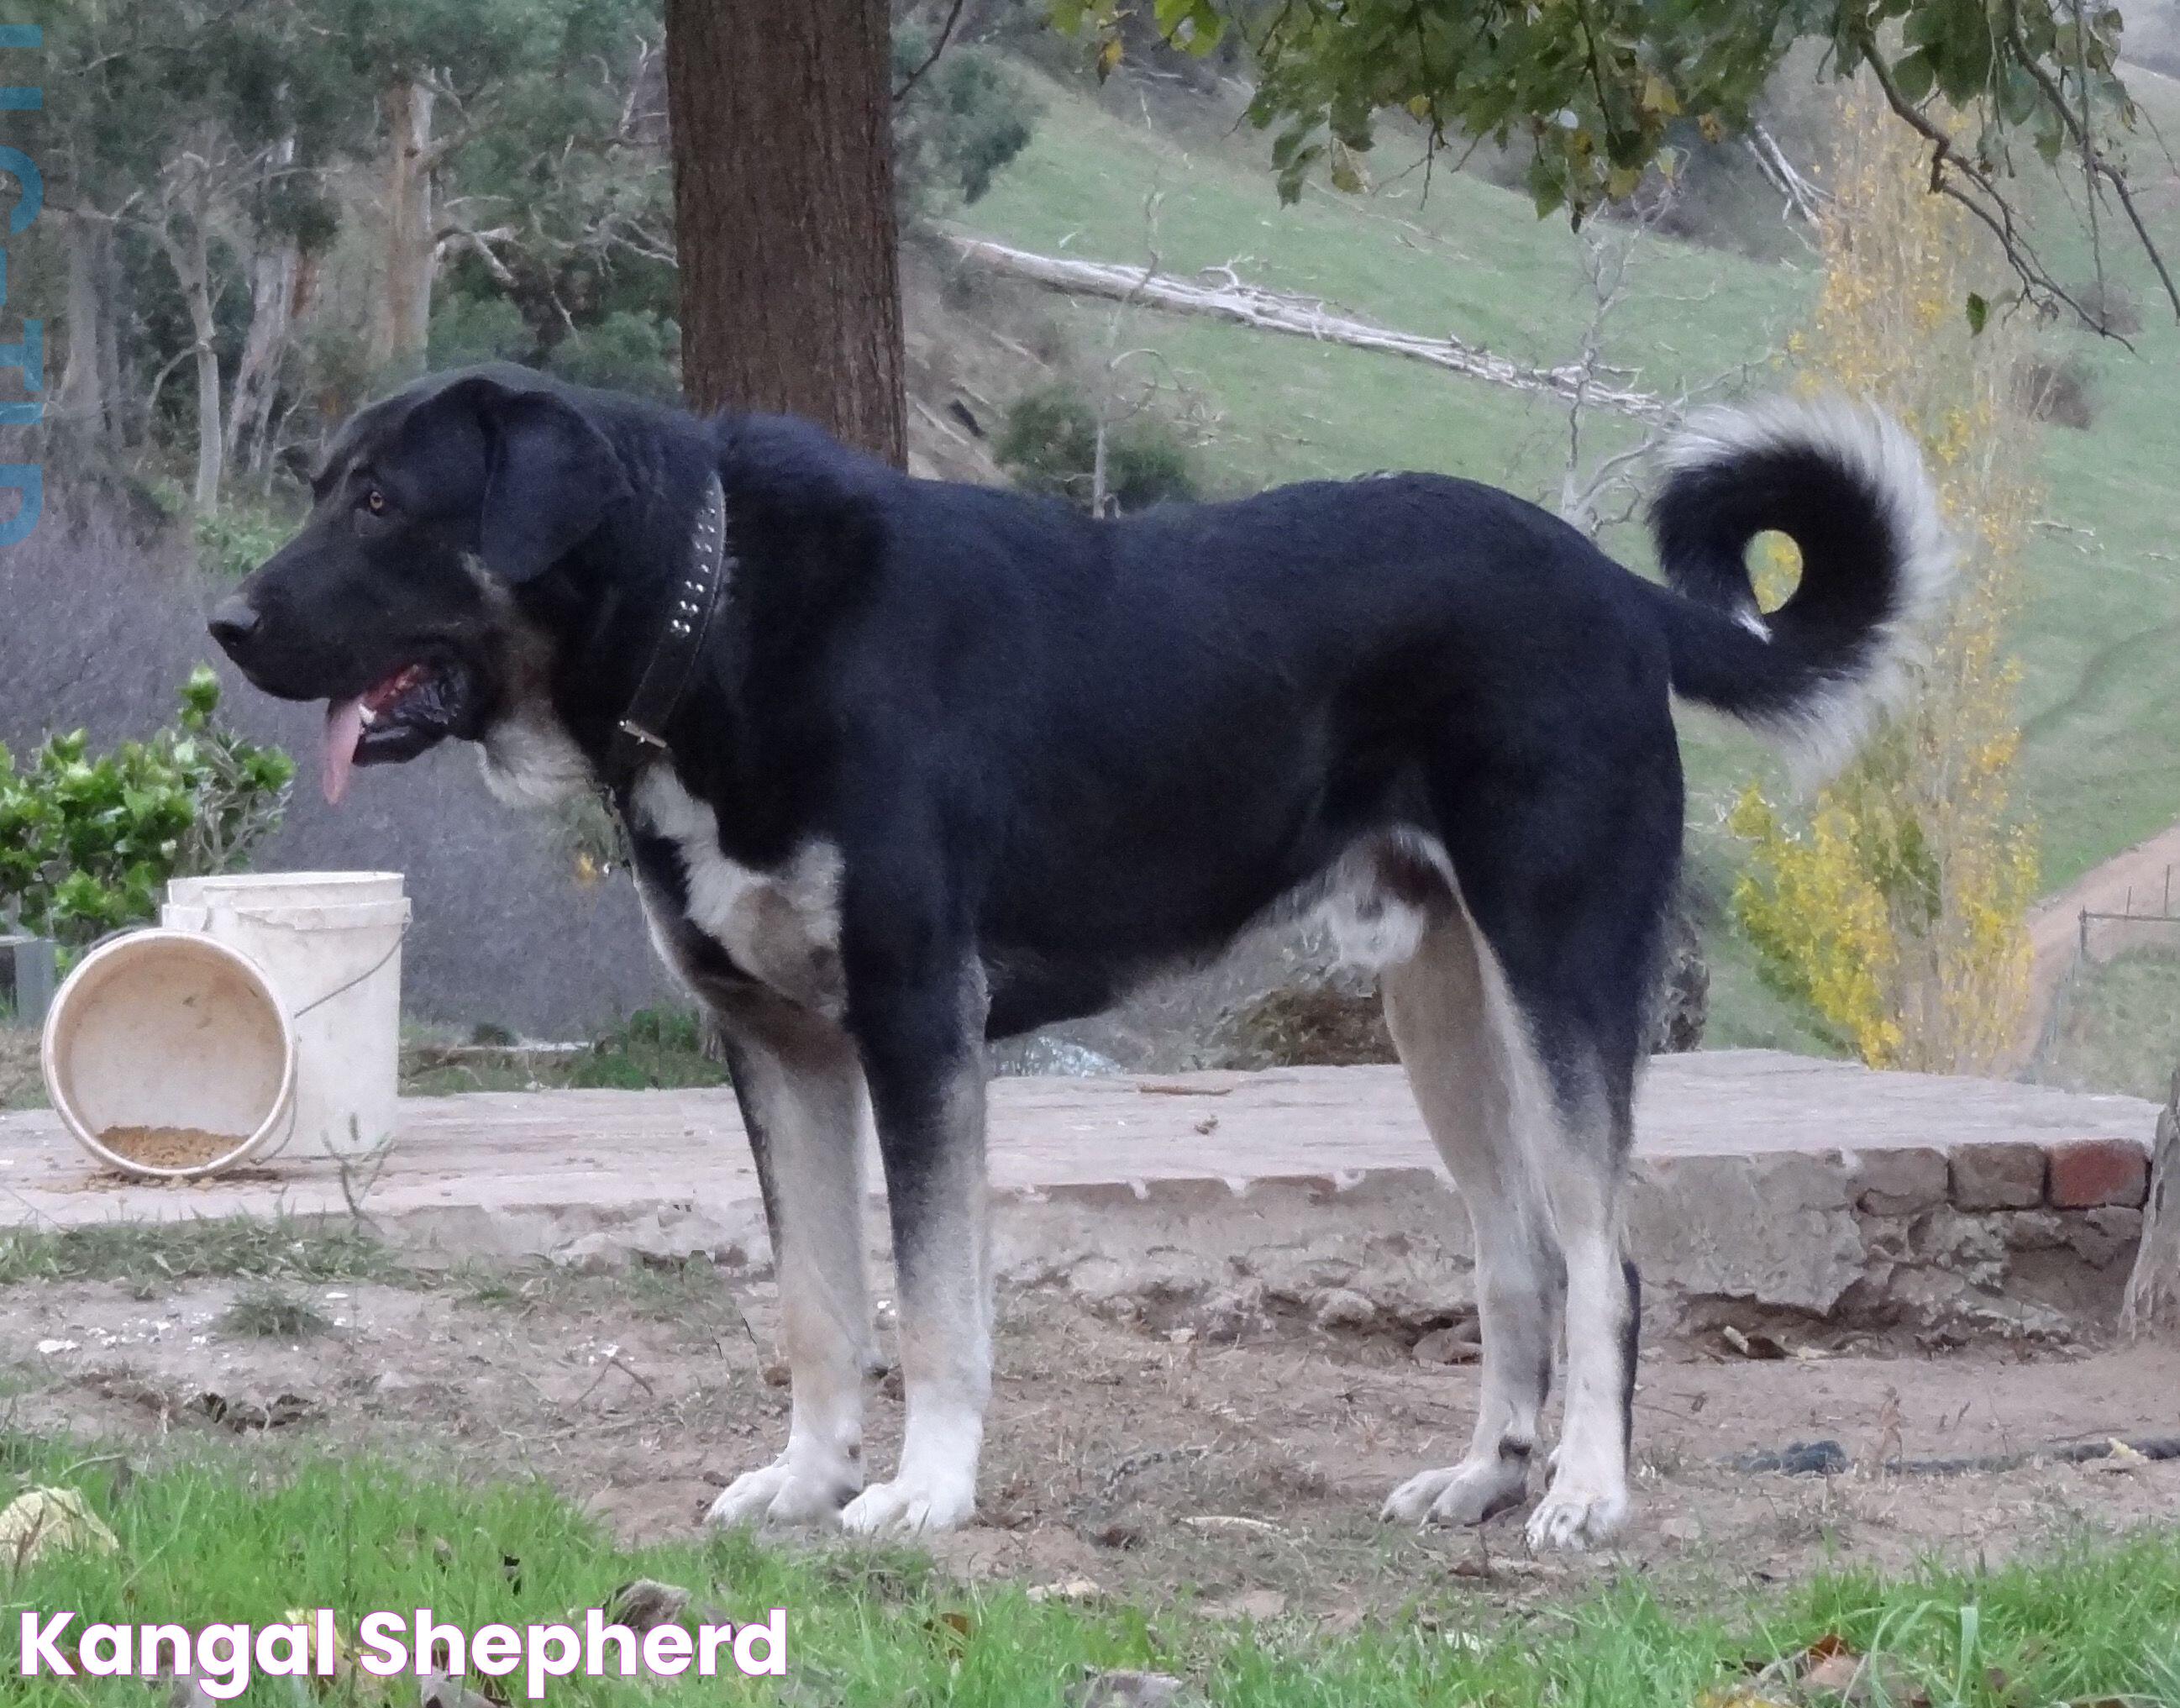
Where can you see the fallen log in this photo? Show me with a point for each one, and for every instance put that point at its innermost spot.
(1218, 293)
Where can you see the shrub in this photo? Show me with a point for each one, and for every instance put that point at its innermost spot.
(1049, 445)
(965, 116)
(626, 351)
(2063, 392)
(87, 843)
(471, 329)
(237, 540)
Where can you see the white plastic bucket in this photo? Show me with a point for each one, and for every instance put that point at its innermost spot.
(168, 1029)
(336, 967)
(288, 889)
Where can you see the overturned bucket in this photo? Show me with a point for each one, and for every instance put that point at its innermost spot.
(170, 1056)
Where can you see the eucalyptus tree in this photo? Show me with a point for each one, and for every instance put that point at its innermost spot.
(200, 126)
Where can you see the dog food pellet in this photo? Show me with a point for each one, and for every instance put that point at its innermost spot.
(170, 1147)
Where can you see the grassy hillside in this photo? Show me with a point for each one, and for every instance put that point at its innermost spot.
(2100, 639)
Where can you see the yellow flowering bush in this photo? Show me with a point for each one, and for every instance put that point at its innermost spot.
(1894, 903)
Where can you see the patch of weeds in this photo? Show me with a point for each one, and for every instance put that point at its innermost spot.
(21, 1085)
(656, 1050)
(687, 1290)
(151, 1253)
(267, 1311)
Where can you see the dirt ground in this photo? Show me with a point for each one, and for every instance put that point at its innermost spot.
(1251, 1473)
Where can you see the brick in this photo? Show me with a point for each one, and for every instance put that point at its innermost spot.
(2091, 1173)
(1900, 1182)
(1998, 1177)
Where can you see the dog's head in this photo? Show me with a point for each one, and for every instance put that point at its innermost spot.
(397, 603)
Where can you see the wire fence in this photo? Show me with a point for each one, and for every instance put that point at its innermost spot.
(2145, 920)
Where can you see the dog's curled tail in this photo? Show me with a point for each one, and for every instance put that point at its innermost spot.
(1846, 484)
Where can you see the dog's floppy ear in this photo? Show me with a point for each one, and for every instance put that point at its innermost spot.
(550, 476)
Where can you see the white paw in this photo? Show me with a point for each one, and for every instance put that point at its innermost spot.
(1468, 1493)
(782, 1493)
(908, 1506)
(1573, 1518)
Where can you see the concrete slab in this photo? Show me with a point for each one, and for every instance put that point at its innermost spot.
(1759, 1175)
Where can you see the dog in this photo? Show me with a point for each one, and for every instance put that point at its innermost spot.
(908, 766)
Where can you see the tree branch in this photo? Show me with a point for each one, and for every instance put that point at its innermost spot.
(2093, 157)
(2036, 280)
(930, 59)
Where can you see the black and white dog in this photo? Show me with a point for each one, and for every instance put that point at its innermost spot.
(908, 766)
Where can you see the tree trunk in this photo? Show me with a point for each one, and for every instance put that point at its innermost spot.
(401, 331)
(783, 181)
(81, 401)
(189, 253)
(2153, 1292)
(210, 459)
(107, 265)
(271, 299)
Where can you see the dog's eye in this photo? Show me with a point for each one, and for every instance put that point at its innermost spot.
(375, 501)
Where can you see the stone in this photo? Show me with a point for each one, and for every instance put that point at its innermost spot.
(1776, 1229)
(1342, 1308)
(1998, 1177)
(1900, 1182)
(1127, 1690)
(1041, 1055)
(1449, 1346)
(1680, 1006)
(2093, 1173)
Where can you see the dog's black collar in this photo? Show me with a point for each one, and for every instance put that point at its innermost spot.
(696, 599)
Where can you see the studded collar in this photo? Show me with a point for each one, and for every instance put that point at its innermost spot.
(695, 602)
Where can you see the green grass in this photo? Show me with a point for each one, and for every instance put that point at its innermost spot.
(2116, 1026)
(655, 1049)
(217, 1540)
(2100, 636)
(156, 1254)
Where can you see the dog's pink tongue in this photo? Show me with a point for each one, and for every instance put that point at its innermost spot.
(344, 730)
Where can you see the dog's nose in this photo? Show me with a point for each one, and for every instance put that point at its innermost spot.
(235, 619)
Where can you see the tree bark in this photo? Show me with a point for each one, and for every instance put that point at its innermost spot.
(783, 178)
(2153, 1291)
(272, 301)
(401, 333)
(106, 263)
(184, 238)
(196, 287)
(81, 401)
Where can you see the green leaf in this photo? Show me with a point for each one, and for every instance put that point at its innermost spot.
(1978, 313)
(1913, 74)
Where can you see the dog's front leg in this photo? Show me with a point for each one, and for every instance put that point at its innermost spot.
(801, 1090)
(921, 1038)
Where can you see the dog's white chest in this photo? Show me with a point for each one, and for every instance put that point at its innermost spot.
(780, 928)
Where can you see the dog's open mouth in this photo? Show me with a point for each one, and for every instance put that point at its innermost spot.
(416, 708)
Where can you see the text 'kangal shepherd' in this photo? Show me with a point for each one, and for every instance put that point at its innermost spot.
(908, 766)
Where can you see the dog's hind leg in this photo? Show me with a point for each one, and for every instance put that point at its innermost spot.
(801, 1094)
(1581, 1161)
(1478, 1087)
(1568, 880)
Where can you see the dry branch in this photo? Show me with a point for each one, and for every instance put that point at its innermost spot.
(1218, 294)
(1805, 200)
